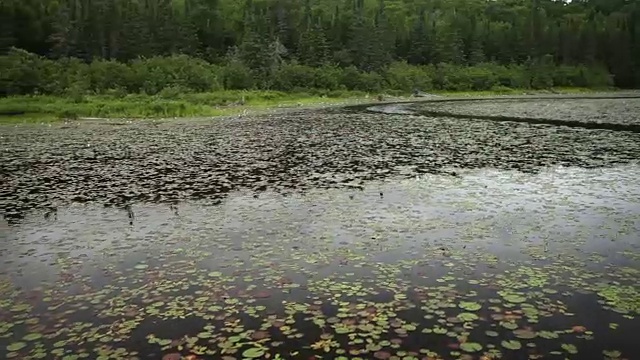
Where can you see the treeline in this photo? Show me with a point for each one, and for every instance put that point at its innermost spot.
(26, 73)
(284, 44)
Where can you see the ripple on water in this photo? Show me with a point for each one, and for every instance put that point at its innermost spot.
(411, 266)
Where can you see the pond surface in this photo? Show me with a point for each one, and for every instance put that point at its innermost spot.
(327, 234)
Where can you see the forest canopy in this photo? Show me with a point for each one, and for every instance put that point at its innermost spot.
(52, 46)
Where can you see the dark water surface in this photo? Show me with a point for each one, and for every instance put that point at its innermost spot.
(320, 235)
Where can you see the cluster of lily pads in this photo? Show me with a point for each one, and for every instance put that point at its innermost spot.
(482, 265)
(622, 110)
(264, 290)
(114, 164)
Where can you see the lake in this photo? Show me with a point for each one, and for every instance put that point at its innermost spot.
(328, 234)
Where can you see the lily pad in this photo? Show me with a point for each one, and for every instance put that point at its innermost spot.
(548, 334)
(511, 344)
(614, 354)
(468, 317)
(172, 356)
(570, 348)
(16, 346)
(514, 298)
(524, 334)
(253, 353)
(469, 306)
(470, 347)
(32, 337)
(381, 355)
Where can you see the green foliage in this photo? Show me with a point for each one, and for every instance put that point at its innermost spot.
(171, 102)
(153, 75)
(402, 76)
(20, 72)
(170, 77)
(369, 35)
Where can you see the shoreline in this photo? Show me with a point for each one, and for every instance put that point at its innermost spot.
(134, 107)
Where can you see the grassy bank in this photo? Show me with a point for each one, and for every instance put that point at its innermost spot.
(50, 108)
(45, 108)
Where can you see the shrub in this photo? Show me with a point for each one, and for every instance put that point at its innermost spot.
(405, 77)
(294, 76)
(237, 76)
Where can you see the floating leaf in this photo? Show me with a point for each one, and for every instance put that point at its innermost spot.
(614, 354)
(470, 347)
(491, 333)
(571, 349)
(253, 353)
(382, 355)
(511, 344)
(524, 334)
(467, 317)
(548, 334)
(439, 330)
(172, 356)
(16, 346)
(469, 306)
(215, 274)
(509, 325)
(32, 337)
(141, 266)
(514, 298)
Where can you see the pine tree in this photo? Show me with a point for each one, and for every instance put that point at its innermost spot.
(7, 38)
(419, 45)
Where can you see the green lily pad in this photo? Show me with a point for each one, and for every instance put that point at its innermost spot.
(511, 344)
(571, 349)
(491, 333)
(509, 325)
(32, 337)
(215, 274)
(16, 346)
(409, 327)
(514, 298)
(614, 354)
(469, 306)
(548, 334)
(467, 317)
(471, 347)
(524, 334)
(141, 266)
(253, 353)
(439, 330)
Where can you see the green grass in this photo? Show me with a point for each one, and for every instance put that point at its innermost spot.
(42, 108)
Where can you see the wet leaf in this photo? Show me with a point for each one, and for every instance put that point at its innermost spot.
(253, 353)
(511, 344)
(469, 306)
(524, 334)
(470, 347)
(571, 349)
(32, 337)
(16, 346)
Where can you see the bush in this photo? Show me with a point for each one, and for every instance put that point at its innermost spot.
(236, 76)
(327, 78)
(405, 77)
(353, 79)
(172, 77)
(20, 72)
(294, 76)
(106, 75)
(154, 74)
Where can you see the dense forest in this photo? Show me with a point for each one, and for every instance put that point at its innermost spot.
(51, 46)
